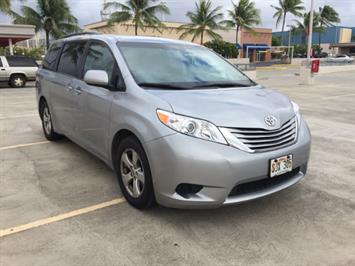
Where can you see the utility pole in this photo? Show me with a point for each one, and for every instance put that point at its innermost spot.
(289, 39)
(310, 35)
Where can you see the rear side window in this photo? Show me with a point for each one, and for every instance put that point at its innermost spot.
(21, 61)
(1, 63)
(50, 60)
(71, 58)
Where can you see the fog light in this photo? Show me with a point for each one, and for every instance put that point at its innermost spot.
(188, 190)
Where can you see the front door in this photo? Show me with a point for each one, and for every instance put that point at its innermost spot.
(94, 103)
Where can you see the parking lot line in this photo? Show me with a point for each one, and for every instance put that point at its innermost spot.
(18, 116)
(23, 145)
(60, 217)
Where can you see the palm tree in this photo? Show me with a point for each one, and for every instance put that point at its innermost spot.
(293, 7)
(141, 12)
(205, 20)
(244, 14)
(5, 6)
(303, 26)
(327, 17)
(52, 16)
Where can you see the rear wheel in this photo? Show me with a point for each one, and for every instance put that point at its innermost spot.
(133, 173)
(47, 123)
(17, 81)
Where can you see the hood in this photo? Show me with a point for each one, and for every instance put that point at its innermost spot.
(232, 107)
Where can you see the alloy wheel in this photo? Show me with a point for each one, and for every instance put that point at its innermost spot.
(47, 122)
(132, 172)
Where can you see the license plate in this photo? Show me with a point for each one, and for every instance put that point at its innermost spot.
(281, 165)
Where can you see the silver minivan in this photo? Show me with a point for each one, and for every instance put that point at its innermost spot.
(179, 124)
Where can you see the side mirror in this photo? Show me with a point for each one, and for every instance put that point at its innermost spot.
(96, 78)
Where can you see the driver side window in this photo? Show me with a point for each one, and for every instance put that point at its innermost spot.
(99, 57)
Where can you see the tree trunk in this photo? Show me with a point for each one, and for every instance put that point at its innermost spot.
(136, 28)
(283, 28)
(47, 39)
(236, 39)
(202, 36)
(237, 35)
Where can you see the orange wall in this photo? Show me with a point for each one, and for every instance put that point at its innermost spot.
(259, 36)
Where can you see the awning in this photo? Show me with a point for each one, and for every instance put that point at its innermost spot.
(256, 46)
(16, 33)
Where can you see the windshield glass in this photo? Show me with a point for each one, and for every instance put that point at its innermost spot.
(179, 66)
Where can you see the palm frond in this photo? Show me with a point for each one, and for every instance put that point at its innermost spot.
(53, 16)
(205, 19)
(119, 17)
(5, 6)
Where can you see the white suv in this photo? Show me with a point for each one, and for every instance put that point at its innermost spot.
(17, 70)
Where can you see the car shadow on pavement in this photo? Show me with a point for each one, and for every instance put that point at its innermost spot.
(5, 85)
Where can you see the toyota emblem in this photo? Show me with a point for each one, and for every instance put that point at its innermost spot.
(270, 120)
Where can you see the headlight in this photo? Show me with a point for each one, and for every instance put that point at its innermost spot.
(191, 126)
(296, 109)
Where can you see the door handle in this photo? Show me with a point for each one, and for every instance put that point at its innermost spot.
(3, 69)
(78, 90)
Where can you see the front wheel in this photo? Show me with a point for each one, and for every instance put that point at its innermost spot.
(133, 173)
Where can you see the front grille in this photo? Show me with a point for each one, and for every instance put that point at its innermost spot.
(260, 140)
(259, 185)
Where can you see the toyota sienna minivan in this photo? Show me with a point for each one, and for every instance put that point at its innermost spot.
(179, 124)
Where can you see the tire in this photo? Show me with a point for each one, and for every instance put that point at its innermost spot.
(47, 124)
(133, 173)
(17, 81)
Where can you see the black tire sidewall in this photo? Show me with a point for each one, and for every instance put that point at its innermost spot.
(12, 81)
(53, 135)
(147, 198)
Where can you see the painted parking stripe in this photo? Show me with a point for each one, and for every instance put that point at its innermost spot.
(23, 145)
(18, 116)
(60, 217)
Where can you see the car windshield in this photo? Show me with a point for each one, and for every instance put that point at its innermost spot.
(179, 66)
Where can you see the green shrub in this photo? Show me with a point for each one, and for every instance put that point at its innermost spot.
(225, 49)
(300, 50)
(35, 53)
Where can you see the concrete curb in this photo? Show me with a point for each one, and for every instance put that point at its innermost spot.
(334, 69)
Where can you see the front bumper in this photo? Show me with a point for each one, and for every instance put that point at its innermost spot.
(179, 159)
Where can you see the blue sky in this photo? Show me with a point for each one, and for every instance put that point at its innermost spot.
(88, 11)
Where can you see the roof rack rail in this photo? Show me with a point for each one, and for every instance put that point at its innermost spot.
(81, 33)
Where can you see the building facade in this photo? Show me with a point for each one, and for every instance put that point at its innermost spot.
(11, 34)
(335, 40)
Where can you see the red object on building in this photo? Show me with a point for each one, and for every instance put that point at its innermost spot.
(315, 66)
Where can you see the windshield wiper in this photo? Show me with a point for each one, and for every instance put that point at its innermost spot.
(167, 86)
(222, 85)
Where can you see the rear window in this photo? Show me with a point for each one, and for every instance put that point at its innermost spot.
(21, 61)
(72, 55)
(50, 60)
